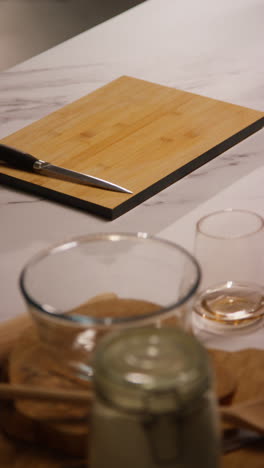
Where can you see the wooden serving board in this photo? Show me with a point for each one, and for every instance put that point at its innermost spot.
(137, 134)
(247, 369)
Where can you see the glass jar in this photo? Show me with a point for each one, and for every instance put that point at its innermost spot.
(154, 402)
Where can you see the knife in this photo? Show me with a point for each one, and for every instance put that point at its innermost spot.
(241, 438)
(20, 160)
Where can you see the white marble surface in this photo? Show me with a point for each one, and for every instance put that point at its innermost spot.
(214, 49)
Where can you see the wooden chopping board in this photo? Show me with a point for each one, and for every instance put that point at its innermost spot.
(137, 134)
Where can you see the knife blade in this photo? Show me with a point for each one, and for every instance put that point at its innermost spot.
(26, 162)
(241, 438)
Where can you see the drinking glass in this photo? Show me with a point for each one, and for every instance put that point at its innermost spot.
(228, 246)
(80, 289)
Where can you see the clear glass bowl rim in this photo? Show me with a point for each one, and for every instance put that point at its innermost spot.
(114, 237)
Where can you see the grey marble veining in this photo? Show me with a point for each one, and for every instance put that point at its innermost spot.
(212, 49)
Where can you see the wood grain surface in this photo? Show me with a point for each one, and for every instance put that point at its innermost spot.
(42, 444)
(137, 134)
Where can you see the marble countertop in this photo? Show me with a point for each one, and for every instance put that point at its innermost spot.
(213, 49)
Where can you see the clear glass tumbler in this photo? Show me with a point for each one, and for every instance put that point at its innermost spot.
(228, 247)
(78, 290)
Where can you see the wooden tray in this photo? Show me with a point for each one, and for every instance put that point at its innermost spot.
(137, 134)
(247, 368)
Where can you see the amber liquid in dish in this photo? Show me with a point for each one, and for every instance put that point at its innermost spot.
(232, 303)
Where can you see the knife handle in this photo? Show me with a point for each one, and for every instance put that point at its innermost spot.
(16, 158)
